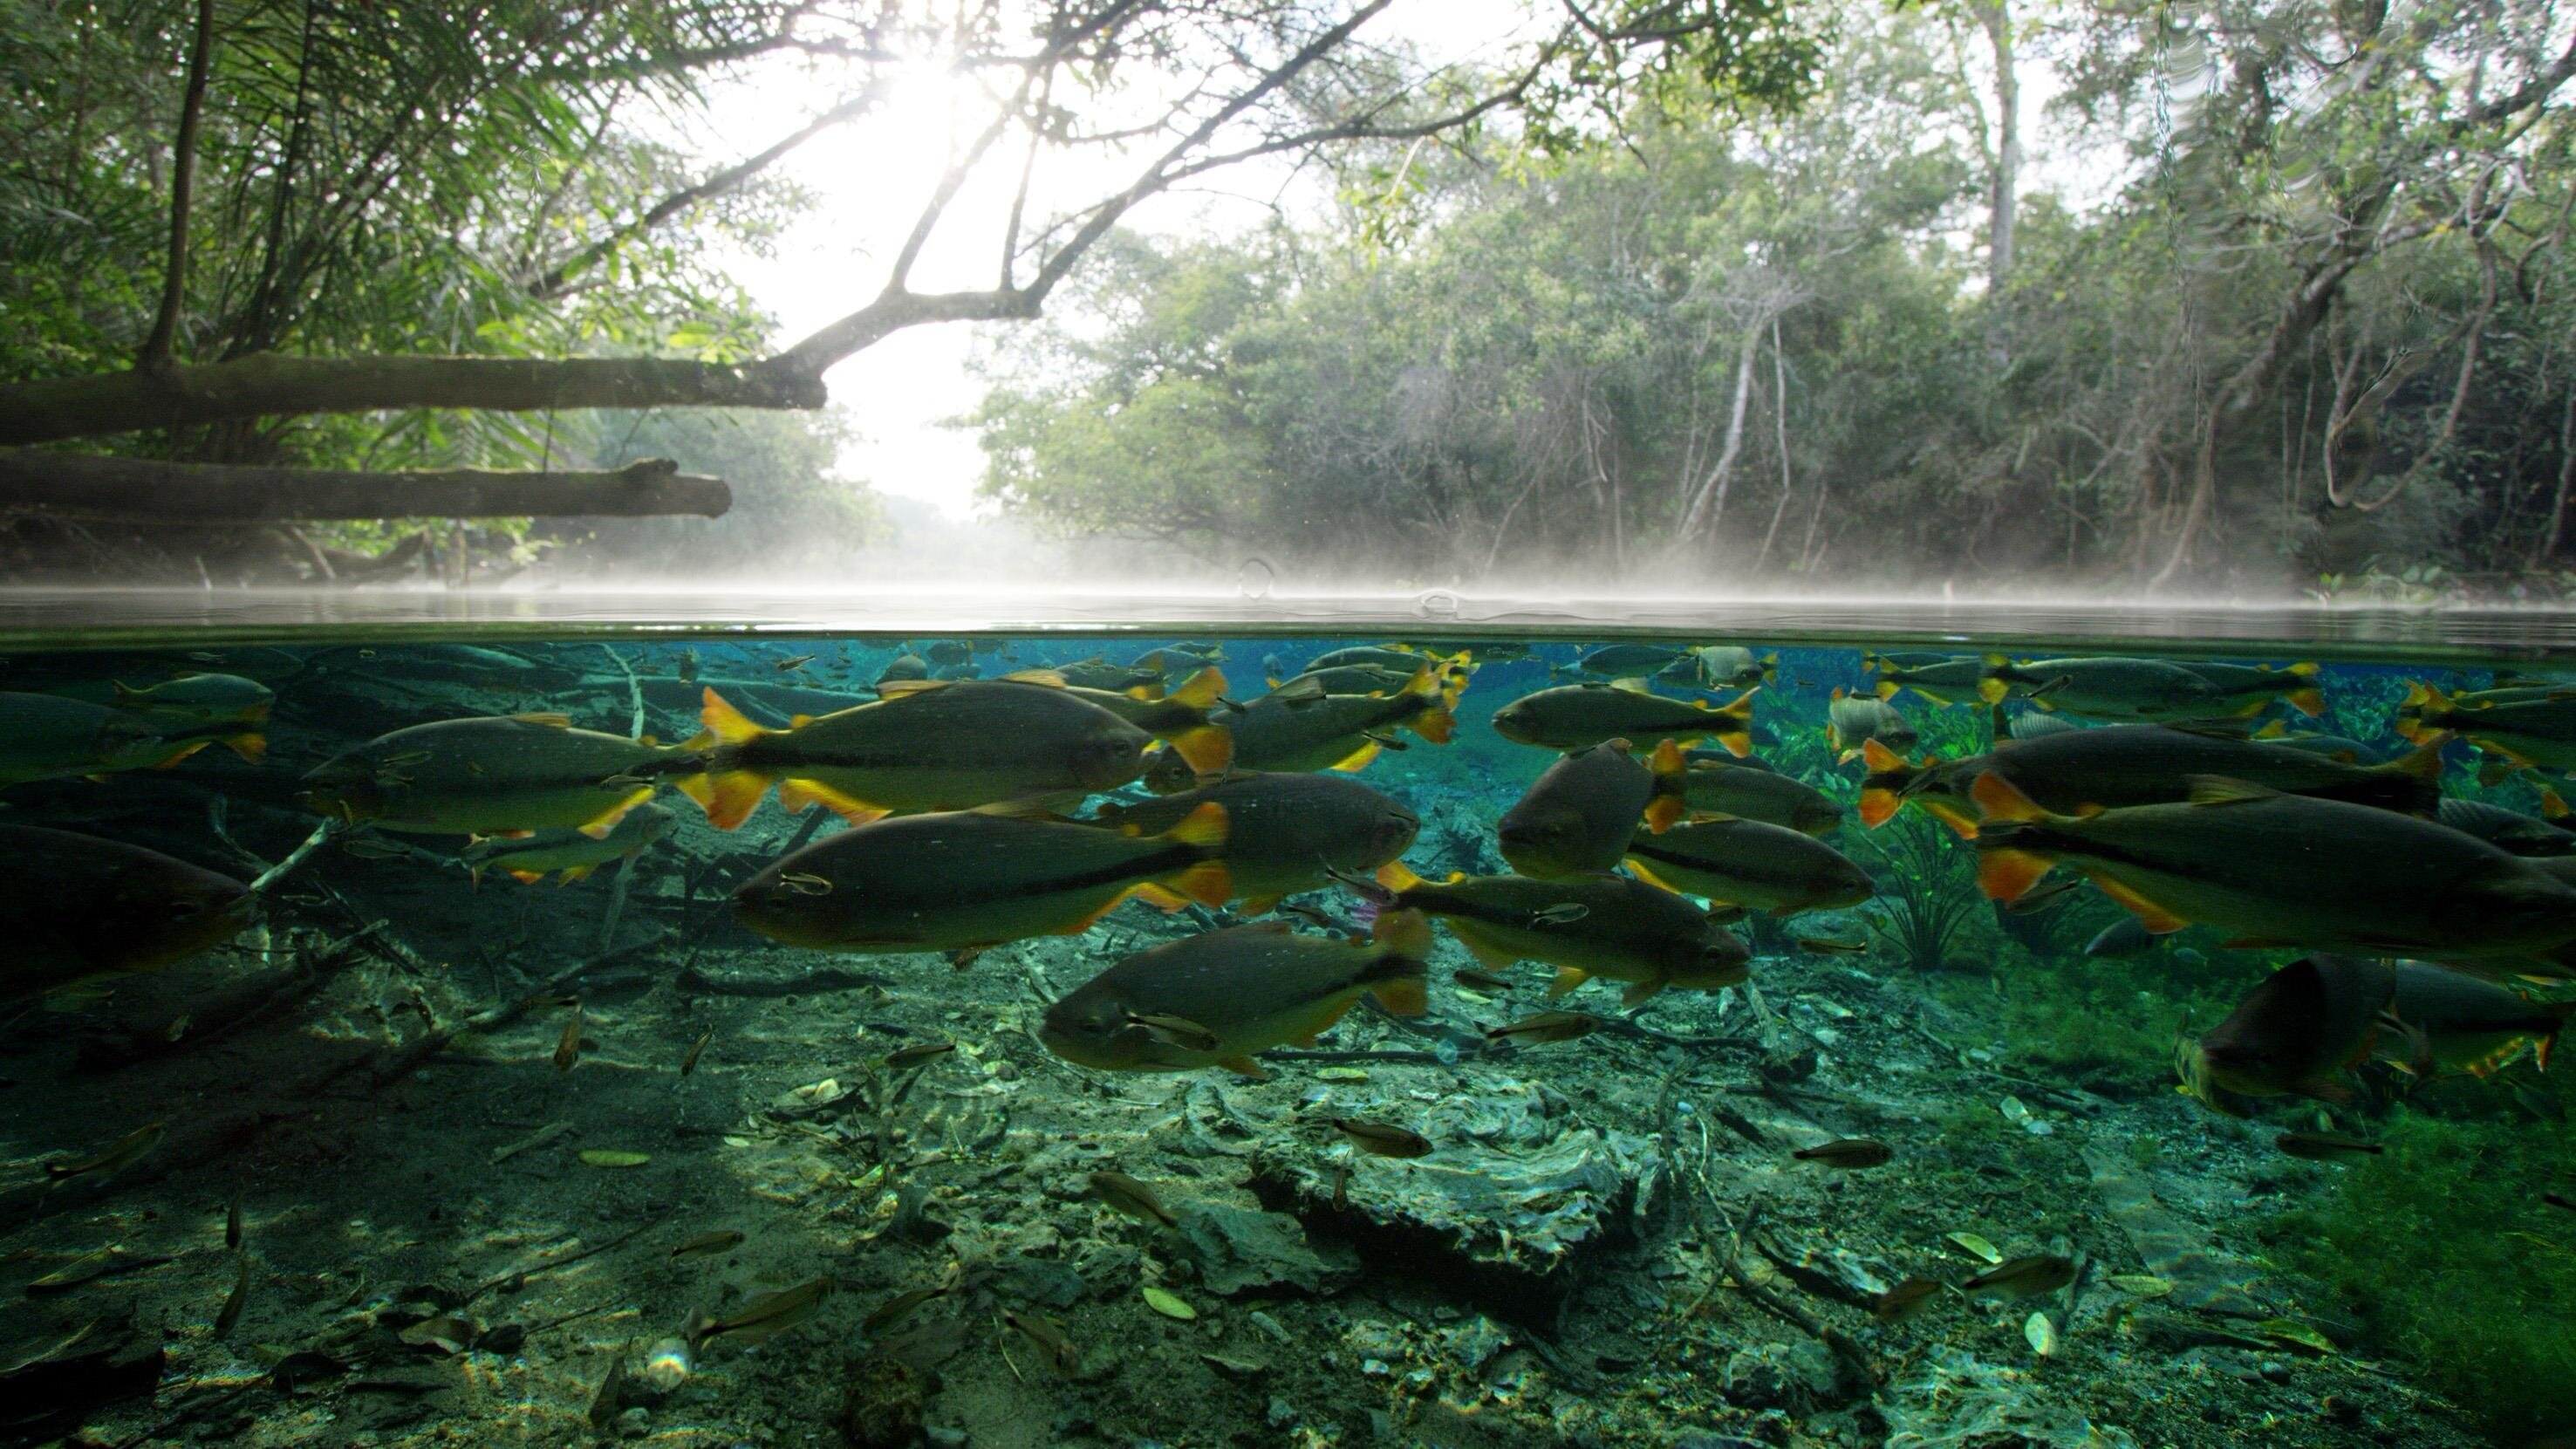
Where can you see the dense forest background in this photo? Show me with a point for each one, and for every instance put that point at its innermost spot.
(2259, 296)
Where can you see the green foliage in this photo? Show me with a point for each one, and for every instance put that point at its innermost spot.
(2443, 1249)
(1927, 890)
(1524, 352)
(381, 178)
(2106, 1024)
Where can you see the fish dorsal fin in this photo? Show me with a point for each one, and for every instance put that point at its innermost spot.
(2220, 790)
(1051, 678)
(799, 721)
(2211, 729)
(1713, 817)
(905, 688)
(1633, 686)
(548, 719)
(2273, 731)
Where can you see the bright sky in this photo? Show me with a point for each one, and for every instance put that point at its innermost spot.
(869, 178)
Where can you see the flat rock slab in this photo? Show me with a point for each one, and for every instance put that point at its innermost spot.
(1243, 1250)
(1508, 1200)
(2174, 1249)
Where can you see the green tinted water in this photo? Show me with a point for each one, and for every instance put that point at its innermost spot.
(474, 1125)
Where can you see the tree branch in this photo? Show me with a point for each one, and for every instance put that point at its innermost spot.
(270, 385)
(1154, 177)
(183, 178)
(76, 487)
(553, 283)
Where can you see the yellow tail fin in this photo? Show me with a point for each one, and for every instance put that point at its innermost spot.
(728, 796)
(729, 725)
(1209, 748)
(1395, 875)
(1204, 827)
(1737, 731)
(1670, 801)
(795, 795)
(1403, 996)
(252, 747)
(1203, 689)
(2006, 875)
(1404, 933)
(1209, 883)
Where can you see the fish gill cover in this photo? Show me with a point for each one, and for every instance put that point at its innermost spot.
(885, 1040)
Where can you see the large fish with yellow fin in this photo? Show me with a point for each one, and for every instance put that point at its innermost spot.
(1286, 730)
(1575, 716)
(1610, 926)
(2522, 730)
(1286, 831)
(2283, 870)
(1217, 998)
(927, 745)
(493, 775)
(2117, 766)
(1580, 814)
(569, 855)
(964, 880)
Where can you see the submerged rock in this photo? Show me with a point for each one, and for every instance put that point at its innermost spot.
(883, 1403)
(1796, 1377)
(1954, 1399)
(1512, 1197)
(1240, 1250)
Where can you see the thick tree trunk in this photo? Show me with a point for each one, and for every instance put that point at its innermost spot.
(144, 490)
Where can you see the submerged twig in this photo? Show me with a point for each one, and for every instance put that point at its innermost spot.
(1850, 1355)
(621, 1240)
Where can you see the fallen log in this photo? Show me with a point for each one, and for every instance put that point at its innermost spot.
(91, 489)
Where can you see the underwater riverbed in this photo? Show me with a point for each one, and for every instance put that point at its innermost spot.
(1010, 1040)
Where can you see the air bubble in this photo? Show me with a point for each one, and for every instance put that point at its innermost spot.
(1253, 579)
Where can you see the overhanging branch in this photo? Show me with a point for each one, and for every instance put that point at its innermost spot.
(268, 385)
(79, 488)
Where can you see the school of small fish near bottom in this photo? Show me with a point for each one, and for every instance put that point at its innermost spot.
(1015, 1041)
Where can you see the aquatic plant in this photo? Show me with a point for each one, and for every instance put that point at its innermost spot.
(1927, 891)
(2451, 1203)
